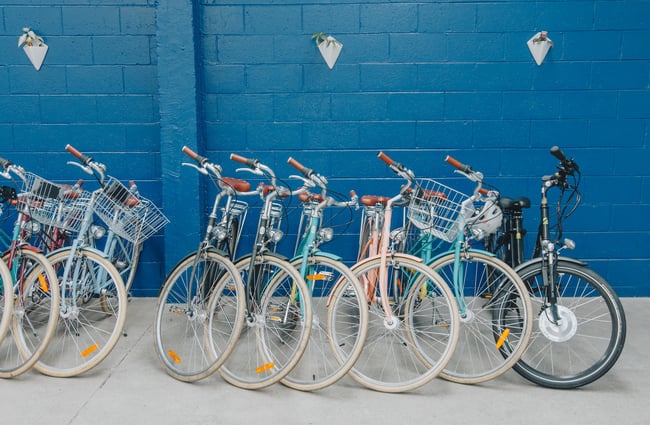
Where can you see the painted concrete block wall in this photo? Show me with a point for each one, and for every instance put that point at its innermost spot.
(417, 79)
(421, 80)
(97, 90)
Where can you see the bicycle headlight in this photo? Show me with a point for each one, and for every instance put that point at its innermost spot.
(97, 232)
(275, 235)
(31, 227)
(398, 235)
(326, 234)
(220, 233)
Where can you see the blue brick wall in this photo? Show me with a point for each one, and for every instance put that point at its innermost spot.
(96, 90)
(423, 79)
(417, 79)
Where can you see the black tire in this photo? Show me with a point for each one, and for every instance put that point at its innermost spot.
(582, 349)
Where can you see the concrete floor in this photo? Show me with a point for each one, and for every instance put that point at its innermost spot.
(130, 387)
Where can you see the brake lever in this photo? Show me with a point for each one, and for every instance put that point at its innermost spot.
(256, 171)
(306, 182)
(86, 169)
(196, 167)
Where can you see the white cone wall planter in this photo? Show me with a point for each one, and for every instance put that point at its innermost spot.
(329, 47)
(539, 45)
(33, 46)
(36, 54)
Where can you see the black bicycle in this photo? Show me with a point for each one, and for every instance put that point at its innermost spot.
(580, 326)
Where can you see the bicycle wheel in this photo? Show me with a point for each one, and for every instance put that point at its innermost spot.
(410, 349)
(338, 328)
(6, 300)
(487, 290)
(277, 325)
(588, 340)
(125, 256)
(199, 316)
(93, 311)
(35, 312)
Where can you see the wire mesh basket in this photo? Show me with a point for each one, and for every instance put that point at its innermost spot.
(52, 204)
(129, 215)
(434, 208)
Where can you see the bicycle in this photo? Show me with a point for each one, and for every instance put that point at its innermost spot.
(340, 313)
(484, 287)
(278, 306)
(413, 317)
(200, 311)
(580, 329)
(93, 296)
(121, 245)
(30, 290)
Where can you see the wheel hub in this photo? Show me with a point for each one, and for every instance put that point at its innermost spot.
(562, 331)
(467, 317)
(392, 324)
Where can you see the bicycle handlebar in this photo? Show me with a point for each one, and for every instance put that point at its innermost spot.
(85, 159)
(468, 172)
(557, 152)
(9, 167)
(90, 166)
(320, 181)
(567, 166)
(250, 162)
(458, 165)
(201, 160)
(307, 172)
(5, 163)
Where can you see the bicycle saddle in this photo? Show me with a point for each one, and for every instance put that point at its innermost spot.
(516, 203)
(238, 184)
(310, 197)
(371, 200)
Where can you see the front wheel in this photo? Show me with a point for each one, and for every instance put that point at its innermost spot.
(6, 300)
(199, 316)
(35, 312)
(277, 324)
(410, 340)
(92, 314)
(590, 334)
(495, 316)
(338, 328)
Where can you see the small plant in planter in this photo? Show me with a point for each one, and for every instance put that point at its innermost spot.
(329, 47)
(33, 46)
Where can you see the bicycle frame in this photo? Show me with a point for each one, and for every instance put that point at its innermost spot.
(311, 239)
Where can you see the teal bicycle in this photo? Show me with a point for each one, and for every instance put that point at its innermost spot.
(446, 224)
(340, 312)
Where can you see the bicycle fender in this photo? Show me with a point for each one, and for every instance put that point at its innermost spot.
(396, 255)
(320, 254)
(275, 255)
(539, 260)
(443, 254)
(85, 248)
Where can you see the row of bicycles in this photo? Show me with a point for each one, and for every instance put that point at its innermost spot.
(448, 292)
(69, 260)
